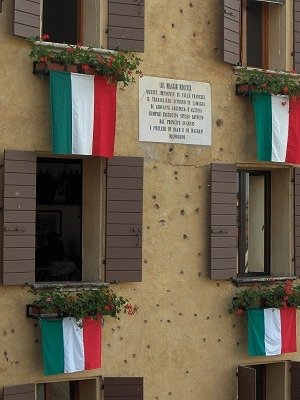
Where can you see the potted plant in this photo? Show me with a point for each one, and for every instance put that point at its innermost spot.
(115, 67)
(256, 81)
(79, 304)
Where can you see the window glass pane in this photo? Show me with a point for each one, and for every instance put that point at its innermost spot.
(255, 221)
(40, 391)
(254, 33)
(59, 391)
(60, 20)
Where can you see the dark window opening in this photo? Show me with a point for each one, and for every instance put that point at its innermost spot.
(59, 220)
(255, 33)
(254, 215)
(61, 20)
(260, 381)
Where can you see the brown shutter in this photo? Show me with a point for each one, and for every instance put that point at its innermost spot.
(27, 17)
(297, 221)
(295, 380)
(126, 25)
(19, 205)
(124, 219)
(21, 392)
(123, 388)
(297, 35)
(246, 383)
(223, 221)
(232, 31)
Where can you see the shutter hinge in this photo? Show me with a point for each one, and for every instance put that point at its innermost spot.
(292, 180)
(293, 258)
(104, 261)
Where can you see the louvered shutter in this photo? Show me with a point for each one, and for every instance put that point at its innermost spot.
(19, 205)
(126, 25)
(123, 388)
(246, 383)
(297, 35)
(124, 219)
(295, 380)
(232, 31)
(21, 392)
(297, 221)
(223, 221)
(27, 18)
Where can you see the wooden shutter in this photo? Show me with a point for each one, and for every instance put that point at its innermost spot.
(21, 392)
(295, 380)
(27, 18)
(123, 388)
(246, 383)
(232, 31)
(223, 221)
(126, 25)
(19, 205)
(297, 221)
(124, 219)
(297, 35)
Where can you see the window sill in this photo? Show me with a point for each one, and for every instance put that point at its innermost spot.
(261, 280)
(237, 70)
(65, 46)
(68, 286)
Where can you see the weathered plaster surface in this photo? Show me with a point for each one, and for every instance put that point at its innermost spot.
(182, 339)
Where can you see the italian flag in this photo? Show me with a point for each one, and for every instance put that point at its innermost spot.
(83, 114)
(70, 345)
(277, 120)
(271, 331)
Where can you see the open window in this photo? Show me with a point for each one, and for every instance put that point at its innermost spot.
(71, 219)
(250, 229)
(271, 381)
(105, 388)
(112, 24)
(256, 33)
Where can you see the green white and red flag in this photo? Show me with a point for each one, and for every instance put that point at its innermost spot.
(70, 345)
(83, 114)
(277, 121)
(271, 331)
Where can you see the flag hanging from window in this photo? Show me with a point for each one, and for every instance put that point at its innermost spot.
(277, 120)
(83, 114)
(70, 346)
(271, 331)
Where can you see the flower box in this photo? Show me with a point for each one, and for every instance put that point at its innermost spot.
(34, 311)
(244, 89)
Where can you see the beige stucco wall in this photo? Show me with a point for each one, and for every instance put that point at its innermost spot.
(182, 340)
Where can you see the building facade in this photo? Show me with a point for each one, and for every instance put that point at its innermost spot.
(182, 343)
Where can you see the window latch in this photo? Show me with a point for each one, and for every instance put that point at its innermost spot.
(219, 230)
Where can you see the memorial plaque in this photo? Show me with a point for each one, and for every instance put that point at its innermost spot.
(174, 111)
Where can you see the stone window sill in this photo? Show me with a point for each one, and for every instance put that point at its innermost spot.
(237, 70)
(68, 286)
(263, 280)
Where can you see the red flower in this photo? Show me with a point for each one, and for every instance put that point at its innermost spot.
(283, 304)
(45, 36)
(70, 49)
(78, 44)
(239, 312)
(85, 66)
(286, 298)
(43, 59)
(285, 90)
(288, 287)
(48, 299)
(264, 86)
(107, 307)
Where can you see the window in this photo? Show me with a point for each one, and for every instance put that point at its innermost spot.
(252, 213)
(105, 388)
(254, 217)
(272, 381)
(71, 218)
(258, 33)
(101, 23)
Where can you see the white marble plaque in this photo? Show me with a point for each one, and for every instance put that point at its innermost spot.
(174, 111)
